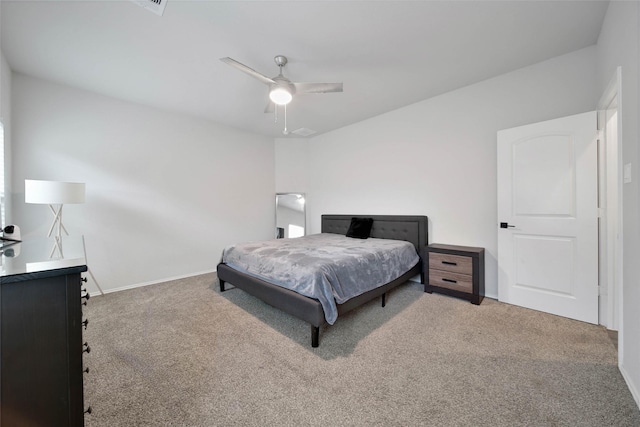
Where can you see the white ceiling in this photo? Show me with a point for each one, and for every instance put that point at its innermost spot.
(388, 54)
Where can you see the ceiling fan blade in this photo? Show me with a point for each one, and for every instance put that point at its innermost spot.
(253, 73)
(318, 87)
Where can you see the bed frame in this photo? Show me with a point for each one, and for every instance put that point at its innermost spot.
(397, 227)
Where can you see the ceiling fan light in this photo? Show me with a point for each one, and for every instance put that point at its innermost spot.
(280, 95)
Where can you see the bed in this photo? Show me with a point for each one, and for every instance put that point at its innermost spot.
(412, 229)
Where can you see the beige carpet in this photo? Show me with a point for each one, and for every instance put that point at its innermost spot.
(182, 354)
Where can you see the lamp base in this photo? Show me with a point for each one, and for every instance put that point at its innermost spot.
(57, 248)
(57, 221)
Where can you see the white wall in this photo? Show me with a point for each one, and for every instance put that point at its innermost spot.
(5, 117)
(291, 165)
(165, 192)
(438, 157)
(619, 45)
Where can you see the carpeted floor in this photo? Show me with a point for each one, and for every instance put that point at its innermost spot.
(183, 354)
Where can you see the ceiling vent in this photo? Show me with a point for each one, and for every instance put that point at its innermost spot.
(155, 6)
(304, 132)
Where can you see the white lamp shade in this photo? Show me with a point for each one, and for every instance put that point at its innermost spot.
(53, 192)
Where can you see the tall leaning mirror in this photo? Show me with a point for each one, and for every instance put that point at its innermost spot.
(290, 215)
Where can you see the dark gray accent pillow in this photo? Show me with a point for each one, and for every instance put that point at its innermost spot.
(360, 228)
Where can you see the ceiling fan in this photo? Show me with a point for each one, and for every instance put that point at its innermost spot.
(281, 89)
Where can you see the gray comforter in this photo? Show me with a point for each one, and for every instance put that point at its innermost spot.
(328, 267)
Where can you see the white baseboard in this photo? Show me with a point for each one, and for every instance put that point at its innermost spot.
(168, 279)
(153, 282)
(630, 384)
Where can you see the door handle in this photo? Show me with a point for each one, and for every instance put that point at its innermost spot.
(506, 225)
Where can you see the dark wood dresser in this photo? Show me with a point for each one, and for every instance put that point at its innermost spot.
(41, 346)
(457, 271)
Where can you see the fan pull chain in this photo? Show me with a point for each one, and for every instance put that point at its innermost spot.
(285, 131)
(275, 107)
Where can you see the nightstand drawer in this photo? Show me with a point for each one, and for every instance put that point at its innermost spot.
(456, 270)
(453, 263)
(449, 280)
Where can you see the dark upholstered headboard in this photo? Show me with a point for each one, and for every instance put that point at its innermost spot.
(412, 229)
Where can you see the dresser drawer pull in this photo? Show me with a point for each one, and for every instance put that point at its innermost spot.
(87, 349)
(86, 371)
(449, 280)
(85, 323)
(449, 263)
(88, 411)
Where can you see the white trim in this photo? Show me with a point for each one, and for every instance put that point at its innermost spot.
(184, 276)
(634, 391)
(153, 282)
(613, 300)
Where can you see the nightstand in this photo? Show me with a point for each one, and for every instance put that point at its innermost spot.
(456, 270)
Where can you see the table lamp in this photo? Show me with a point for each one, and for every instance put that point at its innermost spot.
(57, 194)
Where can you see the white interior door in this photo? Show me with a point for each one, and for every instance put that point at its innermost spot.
(547, 200)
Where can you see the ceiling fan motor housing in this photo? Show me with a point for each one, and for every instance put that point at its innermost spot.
(280, 60)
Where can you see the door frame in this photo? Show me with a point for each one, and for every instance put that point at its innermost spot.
(611, 306)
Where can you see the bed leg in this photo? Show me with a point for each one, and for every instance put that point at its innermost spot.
(384, 299)
(315, 335)
(221, 284)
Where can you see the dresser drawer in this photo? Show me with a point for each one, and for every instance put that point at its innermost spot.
(449, 280)
(453, 263)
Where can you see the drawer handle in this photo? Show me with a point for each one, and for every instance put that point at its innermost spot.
(449, 280)
(449, 263)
